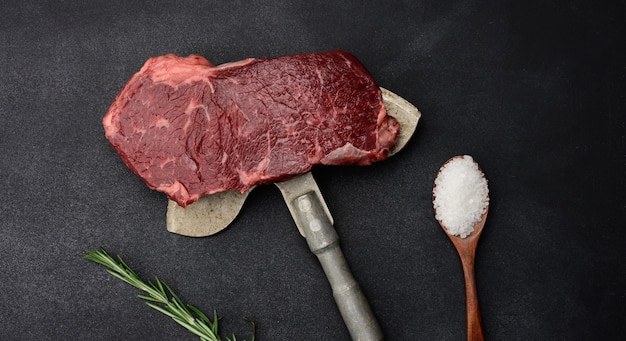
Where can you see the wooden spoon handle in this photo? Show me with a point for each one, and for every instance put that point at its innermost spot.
(474, 325)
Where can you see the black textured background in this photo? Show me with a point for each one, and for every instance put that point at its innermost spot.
(534, 90)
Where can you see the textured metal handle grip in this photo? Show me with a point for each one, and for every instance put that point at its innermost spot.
(324, 243)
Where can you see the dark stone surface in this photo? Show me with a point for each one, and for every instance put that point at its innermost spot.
(533, 91)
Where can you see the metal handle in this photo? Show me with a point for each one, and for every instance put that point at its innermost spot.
(323, 241)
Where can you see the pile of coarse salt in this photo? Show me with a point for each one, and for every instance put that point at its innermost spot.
(460, 195)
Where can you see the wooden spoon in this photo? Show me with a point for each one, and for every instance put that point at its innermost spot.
(466, 248)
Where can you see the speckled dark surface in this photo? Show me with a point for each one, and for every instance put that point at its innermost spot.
(534, 91)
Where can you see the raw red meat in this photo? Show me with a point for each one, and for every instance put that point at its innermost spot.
(189, 128)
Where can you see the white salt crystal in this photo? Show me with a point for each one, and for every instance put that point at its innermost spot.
(460, 195)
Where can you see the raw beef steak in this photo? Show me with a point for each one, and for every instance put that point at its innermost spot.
(189, 128)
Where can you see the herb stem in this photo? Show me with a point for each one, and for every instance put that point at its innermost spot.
(162, 298)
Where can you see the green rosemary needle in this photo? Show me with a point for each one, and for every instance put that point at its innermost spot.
(161, 297)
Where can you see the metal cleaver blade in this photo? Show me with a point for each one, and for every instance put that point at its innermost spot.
(213, 213)
(209, 215)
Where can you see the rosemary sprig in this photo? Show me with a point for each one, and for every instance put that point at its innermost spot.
(161, 297)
